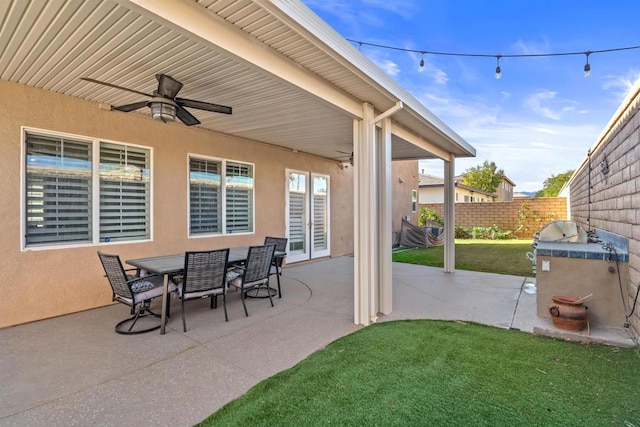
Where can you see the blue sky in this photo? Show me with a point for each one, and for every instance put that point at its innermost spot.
(543, 115)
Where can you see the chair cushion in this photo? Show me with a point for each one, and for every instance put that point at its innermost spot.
(237, 282)
(153, 293)
(200, 294)
(142, 286)
(231, 275)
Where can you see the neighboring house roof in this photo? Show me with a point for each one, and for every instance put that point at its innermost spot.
(430, 181)
(291, 79)
(505, 178)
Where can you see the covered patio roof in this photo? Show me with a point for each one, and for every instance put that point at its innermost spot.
(291, 79)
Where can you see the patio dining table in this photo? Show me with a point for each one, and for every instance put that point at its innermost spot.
(166, 265)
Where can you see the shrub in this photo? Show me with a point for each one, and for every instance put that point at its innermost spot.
(531, 219)
(429, 215)
(490, 233)
(462, 233)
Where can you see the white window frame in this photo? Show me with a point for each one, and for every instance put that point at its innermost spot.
(414, 201)
(95, 183)
(223, 197)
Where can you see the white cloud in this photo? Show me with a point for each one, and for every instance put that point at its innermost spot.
(436, 74)
(364, 13)
(620, 86)
(528, 149)
(388, 66)
(545, 103)
(403, 8)
(532, 48)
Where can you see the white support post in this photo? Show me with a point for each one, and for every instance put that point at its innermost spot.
(365, 217)
(385, 214)
(449, 215)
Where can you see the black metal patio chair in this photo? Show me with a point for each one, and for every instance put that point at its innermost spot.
(276, 264)
(133, 290)
(205, 276)
(255, 272)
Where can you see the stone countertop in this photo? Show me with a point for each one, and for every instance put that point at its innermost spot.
(581, 251)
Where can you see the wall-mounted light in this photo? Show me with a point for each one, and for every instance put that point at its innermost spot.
(604, 166)
(162, 109)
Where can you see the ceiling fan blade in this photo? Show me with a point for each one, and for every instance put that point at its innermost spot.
(130, 107)
(168, 86)
(206, 106)
(86, 79)
(186, 117)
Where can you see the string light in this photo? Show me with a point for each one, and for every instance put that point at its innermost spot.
(587, 67)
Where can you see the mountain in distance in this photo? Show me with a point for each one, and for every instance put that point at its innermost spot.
(527, 193)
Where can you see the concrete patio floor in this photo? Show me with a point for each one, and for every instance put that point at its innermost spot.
(75, 370)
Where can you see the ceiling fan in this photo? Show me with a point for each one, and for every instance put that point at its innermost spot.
(164, 103)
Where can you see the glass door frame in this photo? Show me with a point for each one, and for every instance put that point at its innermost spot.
(327, 250)
(308, 252)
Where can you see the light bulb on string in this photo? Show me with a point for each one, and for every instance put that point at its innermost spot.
(587, 67)
(498, 75)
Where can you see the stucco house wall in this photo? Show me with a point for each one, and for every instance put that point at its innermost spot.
(405, 181)
(604, 192)
(432, 191)
(505, 190)
(42, 283)
(462, 195)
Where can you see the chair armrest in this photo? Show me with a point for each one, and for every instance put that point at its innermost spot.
(147, 277)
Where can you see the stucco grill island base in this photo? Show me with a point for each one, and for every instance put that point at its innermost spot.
(579, 277)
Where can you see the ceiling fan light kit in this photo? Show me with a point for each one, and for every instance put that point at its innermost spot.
(164, 104)
(162, 109)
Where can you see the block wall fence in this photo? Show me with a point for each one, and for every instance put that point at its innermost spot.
(604, 193)
(533, 213)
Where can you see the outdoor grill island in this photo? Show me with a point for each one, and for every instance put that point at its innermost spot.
(593, 266)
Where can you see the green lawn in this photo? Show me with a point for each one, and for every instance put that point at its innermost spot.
(437, 373)
(489, 256)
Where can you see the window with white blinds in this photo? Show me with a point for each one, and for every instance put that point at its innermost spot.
(124, 193)
(239, 198)
(58, 190)
(61, 176)
(221, 197)
(205, 194)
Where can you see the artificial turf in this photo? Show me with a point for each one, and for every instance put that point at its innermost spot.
(440, 373)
